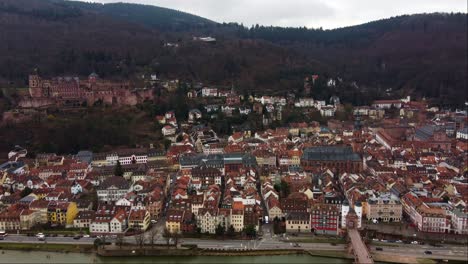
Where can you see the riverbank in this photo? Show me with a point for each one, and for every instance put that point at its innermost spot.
(48, 247)
(32, 257)
(116, 251)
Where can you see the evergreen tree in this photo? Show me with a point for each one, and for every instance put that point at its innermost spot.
(220, 230)
(118, 171)
(25, 192)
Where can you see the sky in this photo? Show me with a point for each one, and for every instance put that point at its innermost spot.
(327, 14)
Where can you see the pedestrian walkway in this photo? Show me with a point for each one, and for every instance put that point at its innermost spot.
(360, 251)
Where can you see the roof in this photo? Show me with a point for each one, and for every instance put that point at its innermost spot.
(117, 181)
(328, 153)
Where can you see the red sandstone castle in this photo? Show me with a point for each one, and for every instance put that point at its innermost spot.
(73, 91)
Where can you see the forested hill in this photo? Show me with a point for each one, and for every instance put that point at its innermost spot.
(152, 16)
(424, 55)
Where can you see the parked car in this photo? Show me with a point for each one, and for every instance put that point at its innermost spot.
(379, 249)
(427, 252)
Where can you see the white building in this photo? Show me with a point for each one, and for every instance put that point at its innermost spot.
(304, 102)
(168, 130)
(209, 92)
(327, 111)
(113, 189)
(463, 134)
(459, 221)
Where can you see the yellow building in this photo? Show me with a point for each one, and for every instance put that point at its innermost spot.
(173, 220)
(62, 213)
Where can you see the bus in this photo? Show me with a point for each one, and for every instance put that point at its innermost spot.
(3, 234)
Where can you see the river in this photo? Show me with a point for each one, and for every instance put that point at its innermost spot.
(9, 256)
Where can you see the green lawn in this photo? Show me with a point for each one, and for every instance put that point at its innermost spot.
(329, 253)
(318, 240)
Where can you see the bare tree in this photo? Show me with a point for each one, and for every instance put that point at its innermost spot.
(103, 240)
(167, 235)
(140, 239)
(176, 236)
(152, 236)
(120, 240)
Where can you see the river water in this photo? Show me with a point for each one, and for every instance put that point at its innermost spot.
(9, 256)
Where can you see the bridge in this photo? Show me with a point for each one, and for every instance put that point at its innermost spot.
(360, 251)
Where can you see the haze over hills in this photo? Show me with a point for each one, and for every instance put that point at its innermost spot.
(423, 55)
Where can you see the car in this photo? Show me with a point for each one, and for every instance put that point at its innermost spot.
(399, 241)
(86, 236)
(77, 237)
(40, 237)
(154, 221)
(296, 245)
(333, 244)
(414, 242)
(427, 252)
(379, 249)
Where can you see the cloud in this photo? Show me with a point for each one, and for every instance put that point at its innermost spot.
(310, 13)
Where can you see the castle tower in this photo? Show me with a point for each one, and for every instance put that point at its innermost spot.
(358, 210)
(344, 213)
(92, 78)
(35, 85)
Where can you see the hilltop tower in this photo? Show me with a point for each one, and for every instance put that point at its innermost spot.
(35, 85)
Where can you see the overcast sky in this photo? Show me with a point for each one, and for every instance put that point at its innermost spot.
(309, 13)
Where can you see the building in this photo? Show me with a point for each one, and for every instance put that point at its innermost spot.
(298, 223)
(83, 219)
(424, 217)
(62, 213)
(71, 91)
(139, 219)
(459, 221)
(168, 130)
(207, 176)
(325, 218)
(237, 220)
(387, 104)
(336, 158)
(327, 111)
(356, 212)
(174, 220)
(209, 92)
(207, 220)
(109, 219)
(112, 189)
(462, 133)
(384, 208)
